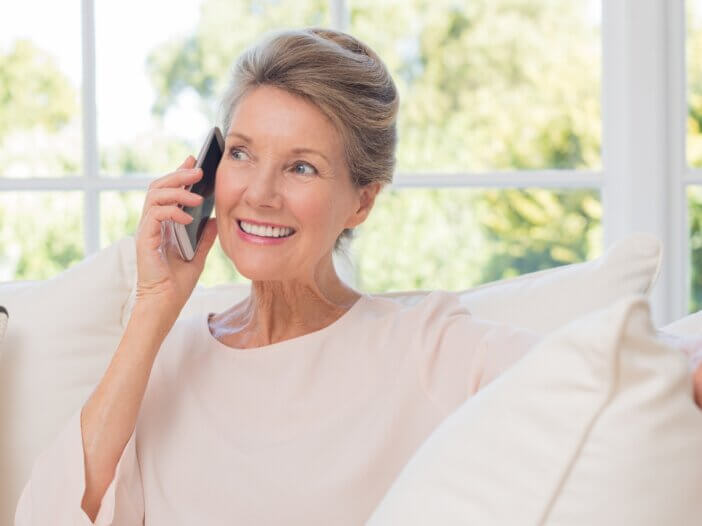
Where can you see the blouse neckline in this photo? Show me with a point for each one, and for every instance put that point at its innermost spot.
(291, 342)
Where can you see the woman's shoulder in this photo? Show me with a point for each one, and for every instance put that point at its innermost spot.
(427, 306)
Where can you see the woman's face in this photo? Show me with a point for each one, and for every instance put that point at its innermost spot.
(283, 192)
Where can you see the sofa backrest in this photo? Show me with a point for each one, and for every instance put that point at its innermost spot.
(62, 332)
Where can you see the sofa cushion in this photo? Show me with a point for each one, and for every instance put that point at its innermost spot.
(59, 341)
(690, 325)
(595, 425)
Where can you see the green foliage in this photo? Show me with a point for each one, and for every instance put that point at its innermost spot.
(202, 61)
(420, 239)
(488, 86)
(41, 233)
(149, 154)
(33, 91)
(537, 229)
(49, 230)
(485, 85)
(694, 198)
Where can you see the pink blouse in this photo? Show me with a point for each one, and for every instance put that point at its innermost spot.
(311, 430)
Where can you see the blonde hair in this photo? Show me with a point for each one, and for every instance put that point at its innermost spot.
(340, 75)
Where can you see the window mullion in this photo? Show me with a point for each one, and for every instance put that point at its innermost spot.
(91, 166)
(679, 235)
(339, 14)
(639, 154)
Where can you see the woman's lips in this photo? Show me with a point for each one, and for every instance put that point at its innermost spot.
(262, 223)
(261, 240)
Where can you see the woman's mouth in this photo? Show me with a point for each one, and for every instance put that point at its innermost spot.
(263, 234)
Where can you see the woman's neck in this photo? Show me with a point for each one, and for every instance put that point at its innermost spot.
(280, 310)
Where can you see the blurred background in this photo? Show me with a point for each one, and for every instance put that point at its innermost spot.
(500, 167)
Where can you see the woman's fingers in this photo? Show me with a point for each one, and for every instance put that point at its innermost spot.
(181, 177)
(155, 216)
(170, 196)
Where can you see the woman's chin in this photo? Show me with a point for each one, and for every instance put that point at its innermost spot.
(260, 270)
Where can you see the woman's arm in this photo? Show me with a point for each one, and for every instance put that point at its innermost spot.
(164, 283)
(109, 416)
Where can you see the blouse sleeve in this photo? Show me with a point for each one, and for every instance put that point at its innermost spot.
(54, 492)
(465, 353)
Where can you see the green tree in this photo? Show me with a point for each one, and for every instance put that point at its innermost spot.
(506, 85)
(33, 92)
(36, 100)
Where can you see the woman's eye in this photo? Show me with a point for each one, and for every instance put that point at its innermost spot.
(237, 154)
(304, 168)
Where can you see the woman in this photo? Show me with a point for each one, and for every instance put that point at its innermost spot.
(301, 404)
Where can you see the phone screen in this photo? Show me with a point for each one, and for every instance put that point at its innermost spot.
(205, 187)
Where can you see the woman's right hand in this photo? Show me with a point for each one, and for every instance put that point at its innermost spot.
(163, 277)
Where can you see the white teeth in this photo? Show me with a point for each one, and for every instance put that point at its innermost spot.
(265, 231)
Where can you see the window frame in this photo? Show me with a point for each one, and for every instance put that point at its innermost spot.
(644, 175)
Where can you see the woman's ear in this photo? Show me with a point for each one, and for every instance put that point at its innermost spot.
(366, 200)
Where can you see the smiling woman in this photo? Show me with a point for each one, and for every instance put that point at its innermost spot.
(310, 124)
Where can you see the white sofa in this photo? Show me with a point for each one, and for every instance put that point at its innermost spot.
(62, 333)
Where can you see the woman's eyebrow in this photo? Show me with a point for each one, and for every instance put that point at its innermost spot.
(294, 150)
(240, 135)
(310, 150)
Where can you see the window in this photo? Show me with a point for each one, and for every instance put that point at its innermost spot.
(694, 148)
(464, 71)
(502, 167)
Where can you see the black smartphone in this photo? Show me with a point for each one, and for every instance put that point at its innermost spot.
(188, 236)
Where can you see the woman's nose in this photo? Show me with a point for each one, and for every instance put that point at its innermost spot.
(262, 189)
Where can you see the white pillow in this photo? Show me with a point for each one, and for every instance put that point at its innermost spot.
(545, 300)
(594, 426)
(61, 337)
(690, 325)
(540, 301)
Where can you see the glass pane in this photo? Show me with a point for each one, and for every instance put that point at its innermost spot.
(491, 84)
(157, 94)
(694, 82)
(120, 213)
(41, 234)
(40, 89)
(457, 238)
(694, 201)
